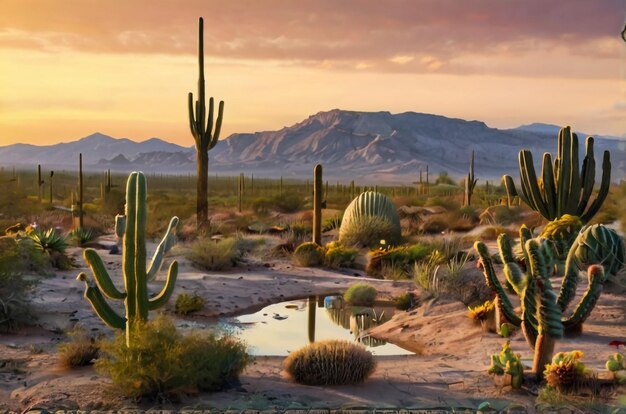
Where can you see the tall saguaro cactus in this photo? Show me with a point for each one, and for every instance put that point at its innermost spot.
(562, 188)
(136, 299)
(317, 205)
(470, 182)
(204, 134)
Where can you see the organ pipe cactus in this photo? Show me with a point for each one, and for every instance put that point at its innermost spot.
(562, 188)
(204, 134)
(136, 298)
(596, 248)
(369, 218)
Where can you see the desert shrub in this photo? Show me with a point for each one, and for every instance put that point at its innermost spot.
(492, 233)
(261, 205)
(402, 257)
(435, 224)
(308, 255)
(393, 271)
(501, 214)
(370, 218)
(288, 203)
(360, 294)
(9, 254)
(215, 254)
(79, 236)
(565, 371)
(404, 301)
(79, 351)
(331, 223)
(14, 304)
(161, 360)
(339, 256)
(444, 178)
(470, 213)
(186, 304)
(331, 362)
(425, 274)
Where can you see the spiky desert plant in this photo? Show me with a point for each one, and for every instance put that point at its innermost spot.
(80, 236)
(470, 182)
(331, 362)
(509, 363)
(48, 241)
(317, 205)
(562, 188)
(565, 370)
(136, 298)
(369, 218)
(481, 313)
(542, 318)
(204, 134)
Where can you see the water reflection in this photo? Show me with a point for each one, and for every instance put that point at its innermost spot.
(279, 328)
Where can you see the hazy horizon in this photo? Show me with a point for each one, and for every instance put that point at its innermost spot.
(74, 67)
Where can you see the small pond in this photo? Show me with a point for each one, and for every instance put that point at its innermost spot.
(286, 326)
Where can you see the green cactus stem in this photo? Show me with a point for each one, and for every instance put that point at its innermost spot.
(204, 134)
(562, 188)
(470, 182)
(136, 299)
(596, 279)
(317, 205)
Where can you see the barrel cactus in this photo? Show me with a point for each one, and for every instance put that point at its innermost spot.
(136, 298)
(370, 218)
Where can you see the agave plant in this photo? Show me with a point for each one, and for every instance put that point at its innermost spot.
(80, 236)
(48, 241)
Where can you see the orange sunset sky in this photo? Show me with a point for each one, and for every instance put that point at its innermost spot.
(69, 68)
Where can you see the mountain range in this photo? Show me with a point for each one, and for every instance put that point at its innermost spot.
(365, 146)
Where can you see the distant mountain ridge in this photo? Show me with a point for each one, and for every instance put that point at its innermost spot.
(366, 146)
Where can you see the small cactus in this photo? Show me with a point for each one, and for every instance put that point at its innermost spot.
(369, 218)
(506, 362)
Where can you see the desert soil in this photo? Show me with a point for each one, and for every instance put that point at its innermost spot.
(448, 370)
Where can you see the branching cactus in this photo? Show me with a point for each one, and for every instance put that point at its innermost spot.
(562, 188)
(541, 316)
(136, 299)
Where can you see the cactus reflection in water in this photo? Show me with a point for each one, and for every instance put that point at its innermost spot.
(357, 319)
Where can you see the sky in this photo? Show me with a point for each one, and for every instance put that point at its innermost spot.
(69, 68)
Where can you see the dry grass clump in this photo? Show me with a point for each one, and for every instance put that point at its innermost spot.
(331, 362)
(81, 350)
(337, 255)
(186, 304)
(308, 255)
(215, 254)
(360, 294)
(368, 231)
(161, 361)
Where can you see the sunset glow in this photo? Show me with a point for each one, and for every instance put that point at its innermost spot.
(70, 68)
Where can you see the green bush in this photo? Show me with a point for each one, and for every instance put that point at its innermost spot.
(404, 301)
(186, 304)
(339, 256)
(79, 351)
(14, 304)
(288, 203)
(435, 224)
(308, 255)
(215, 254)
(331, 362)
(402, 257)
(80, 236)
(360, 294)
(161, 360)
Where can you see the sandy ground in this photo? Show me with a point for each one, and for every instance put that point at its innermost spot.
(448, 370)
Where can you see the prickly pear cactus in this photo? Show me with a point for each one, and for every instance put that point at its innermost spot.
(370, 218)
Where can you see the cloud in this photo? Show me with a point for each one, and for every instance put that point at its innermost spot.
(391, 35)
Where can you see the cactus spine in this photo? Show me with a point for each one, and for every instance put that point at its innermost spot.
(204, 135)
(136, 299)
(470, 182)
(317, 205)
(562, 188)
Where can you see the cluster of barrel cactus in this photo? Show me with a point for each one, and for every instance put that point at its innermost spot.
(562, 188)
(596, 248)
(136, 275)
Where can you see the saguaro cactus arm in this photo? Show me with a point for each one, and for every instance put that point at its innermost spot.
(100, 305)
(596, 278)
(103, 280)
(164, 246)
